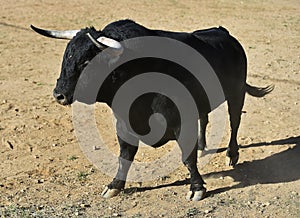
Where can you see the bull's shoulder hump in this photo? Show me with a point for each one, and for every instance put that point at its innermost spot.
(213, 35)
(211, 32)
(125, 29)
(223, 29)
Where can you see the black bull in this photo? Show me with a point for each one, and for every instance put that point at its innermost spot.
(223, 52)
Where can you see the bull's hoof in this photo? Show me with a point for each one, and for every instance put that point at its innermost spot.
(109, 193)
(232, 161)
(201, 146)
(196, 195)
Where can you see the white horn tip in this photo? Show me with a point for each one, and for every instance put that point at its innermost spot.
(109, 42)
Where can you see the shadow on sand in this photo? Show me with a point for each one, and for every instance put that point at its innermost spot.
(277, 168)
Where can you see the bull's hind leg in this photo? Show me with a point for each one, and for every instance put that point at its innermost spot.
(235, 105)
(127, 153)
(201, 137)
(197, 189)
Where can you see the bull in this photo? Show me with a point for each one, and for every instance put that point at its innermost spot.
(222, 51)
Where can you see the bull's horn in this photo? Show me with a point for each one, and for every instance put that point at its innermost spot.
(95, 42)
(103, 42)
(67, 34)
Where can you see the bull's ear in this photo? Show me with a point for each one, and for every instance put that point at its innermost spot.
(104, 42)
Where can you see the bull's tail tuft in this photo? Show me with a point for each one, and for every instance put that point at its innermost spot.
(258, 91)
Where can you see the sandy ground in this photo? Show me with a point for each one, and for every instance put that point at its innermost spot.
(45, 174)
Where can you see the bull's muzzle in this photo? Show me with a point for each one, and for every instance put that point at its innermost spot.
(60, 98)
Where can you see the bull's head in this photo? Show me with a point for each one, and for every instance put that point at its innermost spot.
(84, 45)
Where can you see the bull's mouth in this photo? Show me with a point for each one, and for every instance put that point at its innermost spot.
(64, 103)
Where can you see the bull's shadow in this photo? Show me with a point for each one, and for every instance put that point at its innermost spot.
(277, 168)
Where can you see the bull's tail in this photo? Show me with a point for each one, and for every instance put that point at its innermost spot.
(258, 91)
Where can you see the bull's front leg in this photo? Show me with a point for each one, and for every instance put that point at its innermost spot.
(127, 153)
(197, 189)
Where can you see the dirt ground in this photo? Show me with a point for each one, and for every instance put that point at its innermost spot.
(45, 174)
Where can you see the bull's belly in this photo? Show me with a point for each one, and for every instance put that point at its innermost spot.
(168, 136)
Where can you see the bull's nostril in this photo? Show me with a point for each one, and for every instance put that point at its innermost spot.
(60, 97)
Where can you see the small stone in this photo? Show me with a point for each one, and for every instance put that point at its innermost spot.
(10, 145)
(294, 193)
(116, 214)
(40, 181)
(221, 177)
(134, 204)
(54, 144)
(76, 213)
(4, 101)
(276, 198)
(207, 211)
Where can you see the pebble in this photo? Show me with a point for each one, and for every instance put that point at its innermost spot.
(95, 148)
(10, 145)
(266, 204)
(40, 181)
(294, 193)
(84, 205)
(134, 204)
(207, 211)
